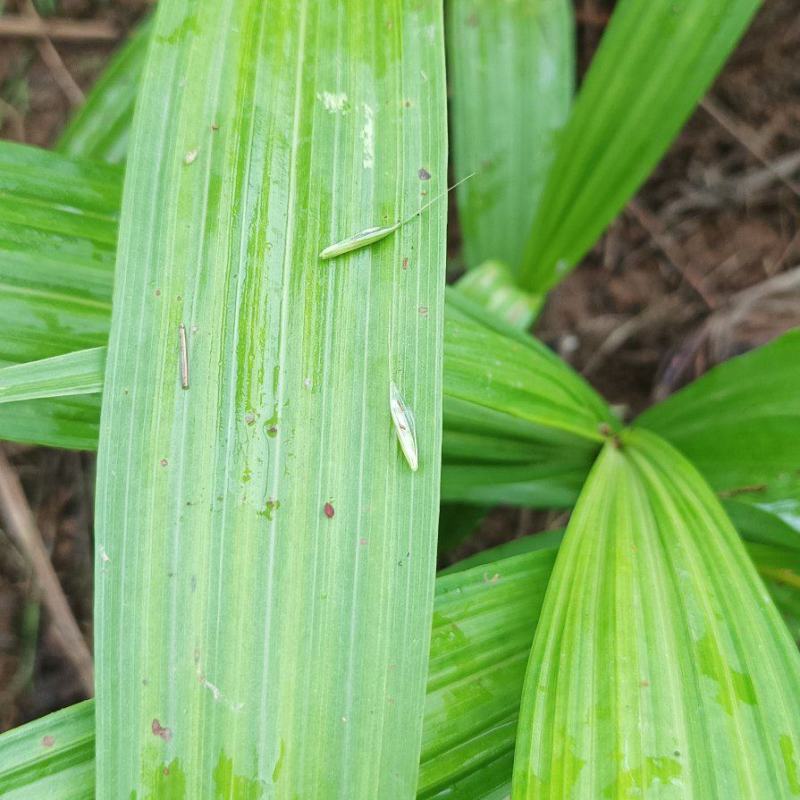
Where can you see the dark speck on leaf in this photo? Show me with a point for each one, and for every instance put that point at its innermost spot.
(405, 263)
(328, 509)
(163, 462)
(159, 730)
(424, 175)
(48, 741)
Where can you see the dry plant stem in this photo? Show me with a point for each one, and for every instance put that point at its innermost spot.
(651, 315)
(55, 63)
(746, 137)
(668, 248)
(17, 26)
(21, 527)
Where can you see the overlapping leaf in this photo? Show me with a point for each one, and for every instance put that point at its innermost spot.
(520, 425)
(57, 241)
(101, 128)
(740, 422)
(73, 374)
(265, 567)
(52, 757)
(660, 666)
(655, 61)
(511, 72)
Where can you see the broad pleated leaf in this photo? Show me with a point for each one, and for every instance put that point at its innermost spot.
(740, 422)
(520, 425)
(51, 758)
(511, 74)
(492, 285)
(77, 373)
(482, 630)
(265, 555)
(655, 61)
(660, 666)
(58, 234)
(101, 127)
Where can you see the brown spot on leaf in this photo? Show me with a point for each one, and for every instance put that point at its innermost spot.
(328, 509)
(163, 462)
(424, 175)
(159, 730)
(405, 263)
(48, 741)
(423, 311)
(249, 418)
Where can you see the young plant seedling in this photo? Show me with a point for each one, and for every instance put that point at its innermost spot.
(378, 232)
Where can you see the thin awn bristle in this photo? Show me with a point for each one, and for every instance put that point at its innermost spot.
(375, 234)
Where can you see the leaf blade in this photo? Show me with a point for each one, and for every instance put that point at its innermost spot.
(740, 422)
(70, 374)
(224, 478)
(511, 67)
(654, 63)
(708, 705)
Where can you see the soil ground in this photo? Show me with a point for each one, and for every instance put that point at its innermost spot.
(703, 264)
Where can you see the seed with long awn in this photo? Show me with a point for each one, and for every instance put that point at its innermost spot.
(376, 233)
(404, 426)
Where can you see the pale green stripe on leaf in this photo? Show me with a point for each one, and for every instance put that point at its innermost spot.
(75, 373)
(660, 665)
(655, 61)
(511, 71)
(265, 567)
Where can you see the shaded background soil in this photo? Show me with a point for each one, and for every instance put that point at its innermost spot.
(703, 264)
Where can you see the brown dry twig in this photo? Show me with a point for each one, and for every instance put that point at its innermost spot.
(667, 246)
(21, 527)
(745, 135)
(18, 26)
(54, 62)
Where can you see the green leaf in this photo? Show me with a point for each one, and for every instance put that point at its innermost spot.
(655, 61)
(511, 68)
(75, 373)
(482, 630)
(51, 757)
(492, 286)
(265, 555)
(546, 540)
(739, 423)
(660, 665)
(520, 425)
(58, 233)
(101, 128)
(481, 636)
